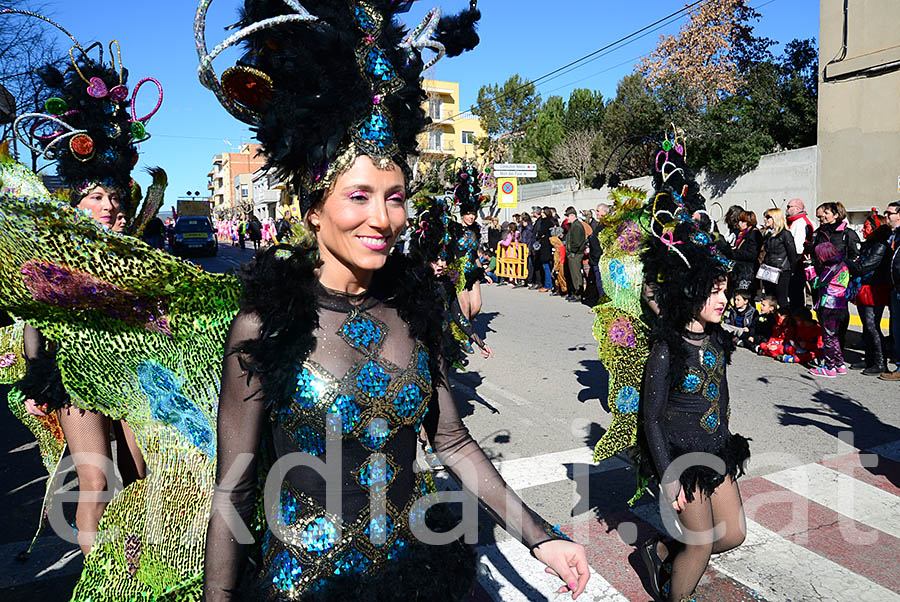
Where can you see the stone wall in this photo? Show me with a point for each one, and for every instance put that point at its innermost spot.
(778, 178)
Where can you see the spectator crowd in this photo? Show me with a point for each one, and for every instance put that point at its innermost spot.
(791, 290)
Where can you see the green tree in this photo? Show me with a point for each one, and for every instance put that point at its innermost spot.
(507, 109)
(635, 117)
(584, 111)
(545, 132)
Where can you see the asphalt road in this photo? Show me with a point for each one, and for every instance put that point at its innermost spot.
(537, 410)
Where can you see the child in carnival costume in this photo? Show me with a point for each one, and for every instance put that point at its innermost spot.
(683, 406)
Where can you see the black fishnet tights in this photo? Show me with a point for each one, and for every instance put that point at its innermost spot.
(88, 433)
(722, 516)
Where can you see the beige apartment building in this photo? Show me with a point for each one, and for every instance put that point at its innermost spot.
(231, 177)
(859, 103)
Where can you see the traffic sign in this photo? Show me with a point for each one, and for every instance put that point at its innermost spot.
(515, 173)
(507, 193)
(515, 166)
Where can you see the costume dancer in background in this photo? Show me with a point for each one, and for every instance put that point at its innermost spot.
(93, 132)
(437, 235)
(665, 309)
(352, 347)
(467, 196)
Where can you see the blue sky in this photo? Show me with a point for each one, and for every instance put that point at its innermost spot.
(526, 37)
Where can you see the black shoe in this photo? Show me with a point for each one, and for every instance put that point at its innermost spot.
(875, 370)
(859, 366)
(654, 565)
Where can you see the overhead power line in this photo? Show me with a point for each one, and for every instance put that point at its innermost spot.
(586, 57)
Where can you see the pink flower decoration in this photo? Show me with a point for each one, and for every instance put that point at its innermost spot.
(7, 360)
(621, 333)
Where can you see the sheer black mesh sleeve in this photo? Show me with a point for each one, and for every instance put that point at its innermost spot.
(241, 413)
(469, 465)
(655, 399)
(463, 322)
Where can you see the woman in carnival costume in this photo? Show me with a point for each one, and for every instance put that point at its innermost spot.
(467, 196)
(90, 129)
(350, 351)
(676, 294)
(435, 239)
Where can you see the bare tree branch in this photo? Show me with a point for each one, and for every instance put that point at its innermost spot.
(574, 155)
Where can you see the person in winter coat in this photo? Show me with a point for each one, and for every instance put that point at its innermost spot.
(802, 230)
(892, 214)
(747, 245)
(254, 231)
(781, 256)
(834, 228)
(740, 320)
(283, 228)
(576, 242)
(870, 290)
(543, 249)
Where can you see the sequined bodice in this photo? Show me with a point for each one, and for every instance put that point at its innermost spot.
(369, 383)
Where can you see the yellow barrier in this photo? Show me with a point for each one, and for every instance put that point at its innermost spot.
(512, 261)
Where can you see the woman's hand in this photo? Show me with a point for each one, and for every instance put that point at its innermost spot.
(486, 352)
(566, 560)
(32, 407)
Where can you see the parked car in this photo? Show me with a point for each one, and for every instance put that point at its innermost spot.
(194, 234)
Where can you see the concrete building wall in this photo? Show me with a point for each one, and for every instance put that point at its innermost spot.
(779, 177)
(859, 103)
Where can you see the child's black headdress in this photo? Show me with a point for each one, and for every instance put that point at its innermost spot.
(682, 261)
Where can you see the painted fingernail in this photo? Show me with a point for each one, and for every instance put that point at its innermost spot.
(573, 585)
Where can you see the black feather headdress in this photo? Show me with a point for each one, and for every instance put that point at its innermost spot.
(682, 260)
(437, 234)
(467, 193)
(326, 81)
(104, 153)
(88, 124)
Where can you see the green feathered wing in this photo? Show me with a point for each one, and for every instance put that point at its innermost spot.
(621, 334)
(140, 338)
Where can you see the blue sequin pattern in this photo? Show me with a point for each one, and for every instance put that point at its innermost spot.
(169, 405)
(309, 389)
(408, 400)
(376, 434)
(346, 408)
(374, 399)
(378, 66)
(285, 570)
(363, 332)
(373, 379)
(309, 440)
(319, 536)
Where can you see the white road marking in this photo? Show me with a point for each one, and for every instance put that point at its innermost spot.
(532, 471)
(842, 493)
(508, 573)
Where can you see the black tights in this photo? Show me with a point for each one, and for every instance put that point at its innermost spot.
(870, 315)
(711, 525)
(88, 433)
(779, 289)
